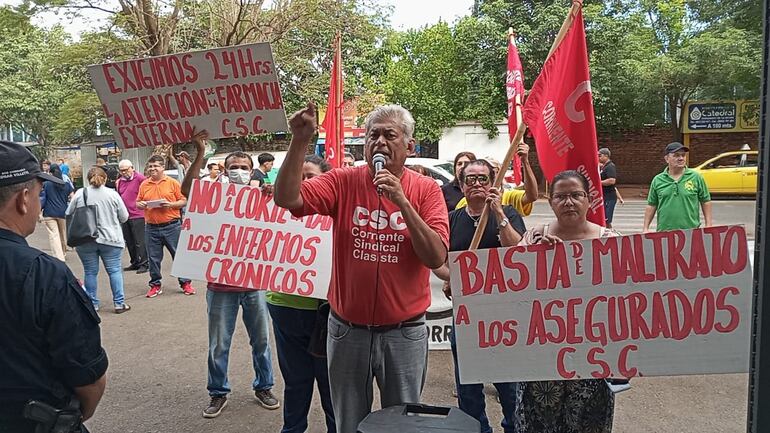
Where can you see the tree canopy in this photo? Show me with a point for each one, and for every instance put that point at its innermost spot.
(648, 57)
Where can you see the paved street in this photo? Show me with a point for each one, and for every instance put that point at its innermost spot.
(157, 376)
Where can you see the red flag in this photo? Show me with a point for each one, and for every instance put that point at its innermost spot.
(333, 122)
(560, 113)
(514, 90)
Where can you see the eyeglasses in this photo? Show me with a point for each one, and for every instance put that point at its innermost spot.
(471, 179)
(124, 170)
(574, 195)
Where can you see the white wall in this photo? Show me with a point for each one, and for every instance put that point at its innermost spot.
(467, 136)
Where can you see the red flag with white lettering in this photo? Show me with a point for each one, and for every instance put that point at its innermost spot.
(514, 92)
(333, 122)
(560, 113)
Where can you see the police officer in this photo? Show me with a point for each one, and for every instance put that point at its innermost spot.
(52, 364)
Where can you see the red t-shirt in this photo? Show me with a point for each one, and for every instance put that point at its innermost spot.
(367, 237)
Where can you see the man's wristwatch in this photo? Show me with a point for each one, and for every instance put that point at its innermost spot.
(504, 222)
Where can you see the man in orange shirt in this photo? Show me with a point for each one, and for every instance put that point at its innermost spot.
(161, 199)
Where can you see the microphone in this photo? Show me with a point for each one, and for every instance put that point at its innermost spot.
(378, 160)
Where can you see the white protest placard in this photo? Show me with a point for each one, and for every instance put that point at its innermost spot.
(654, 304)
(227, 91)
(236, 236)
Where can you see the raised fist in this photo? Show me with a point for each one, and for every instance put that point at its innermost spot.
(304, 122)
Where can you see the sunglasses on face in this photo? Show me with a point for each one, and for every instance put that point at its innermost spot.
(471, 179)
(574, 195)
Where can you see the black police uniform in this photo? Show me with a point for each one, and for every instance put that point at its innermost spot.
(49, 332)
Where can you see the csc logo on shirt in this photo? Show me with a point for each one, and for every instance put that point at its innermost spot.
(378, 219)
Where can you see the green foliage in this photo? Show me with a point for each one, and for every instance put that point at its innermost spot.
(32, 86)
(425, 75)
(644, 54)
(712, 59)
(77, 117)
(304, 53)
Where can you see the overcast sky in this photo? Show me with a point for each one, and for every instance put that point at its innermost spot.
(407, 14)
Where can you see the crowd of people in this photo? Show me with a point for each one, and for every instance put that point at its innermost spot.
(371, 329)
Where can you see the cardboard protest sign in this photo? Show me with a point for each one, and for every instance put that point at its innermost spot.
(236, 236)
(159, 100)
(667, 303)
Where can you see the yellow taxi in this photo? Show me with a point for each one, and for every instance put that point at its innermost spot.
(731, 172)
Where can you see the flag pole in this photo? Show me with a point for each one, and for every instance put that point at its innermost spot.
(517, 140)
(339, 108)
(576, 5)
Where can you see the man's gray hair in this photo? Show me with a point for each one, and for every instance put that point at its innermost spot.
(392, 112)
(125, 163)
(8, 191)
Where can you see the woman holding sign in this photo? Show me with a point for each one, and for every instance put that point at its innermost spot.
(569, 406)
(504, 229)
(295, 319)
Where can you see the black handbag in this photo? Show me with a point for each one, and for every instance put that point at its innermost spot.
(317, 345)
(81, 223)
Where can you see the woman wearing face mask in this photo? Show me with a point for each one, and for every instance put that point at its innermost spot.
(223, 303)
(294, 323)
(569, 406)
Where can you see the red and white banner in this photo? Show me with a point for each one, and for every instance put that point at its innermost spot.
(236, 236)
(560, 114)
(228, 91)
(655, 304)
(514, 93)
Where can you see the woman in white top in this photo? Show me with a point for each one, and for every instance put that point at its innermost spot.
(109, 244)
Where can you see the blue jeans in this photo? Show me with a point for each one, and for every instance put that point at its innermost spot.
(222, 310)
(155, 238)
(609, 209)
(471, 398)
(293, 328)
(89, 255)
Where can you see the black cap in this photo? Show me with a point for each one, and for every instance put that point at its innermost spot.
(676, 147)
(18, 164)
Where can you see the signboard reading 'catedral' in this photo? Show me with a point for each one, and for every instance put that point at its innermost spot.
(667, 303)
(159, 100)
(236, 236)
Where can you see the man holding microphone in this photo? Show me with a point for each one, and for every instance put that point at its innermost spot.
(390, 229)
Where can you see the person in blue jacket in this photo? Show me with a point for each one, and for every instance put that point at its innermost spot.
(53, 201)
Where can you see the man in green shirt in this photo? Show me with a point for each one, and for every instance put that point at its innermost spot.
(676, 194)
